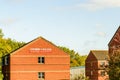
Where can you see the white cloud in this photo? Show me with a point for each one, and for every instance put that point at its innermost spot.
(8, 21)
(89, 43)
(99, 26)
(92, 5)
(100, 30)
(99, 4)
(101, 34)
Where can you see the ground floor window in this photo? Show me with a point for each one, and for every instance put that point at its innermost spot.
(102, 73)
(41, 75)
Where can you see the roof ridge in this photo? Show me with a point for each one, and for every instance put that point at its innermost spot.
(52, 43)
(114, 35)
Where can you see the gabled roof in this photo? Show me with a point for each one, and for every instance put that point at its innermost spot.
(40, 37)
(114, 35)
(27, 44)
(100, 54)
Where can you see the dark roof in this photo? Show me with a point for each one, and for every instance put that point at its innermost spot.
(100, 54)
(114, 35)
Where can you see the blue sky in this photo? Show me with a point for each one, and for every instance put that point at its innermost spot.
(82, 25)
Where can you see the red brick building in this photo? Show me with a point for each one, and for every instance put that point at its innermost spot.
(95, 65)
(37, 60)
(114, 43)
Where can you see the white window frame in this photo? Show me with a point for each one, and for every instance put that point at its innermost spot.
(41, 75)
(102, 64)
(41, 60)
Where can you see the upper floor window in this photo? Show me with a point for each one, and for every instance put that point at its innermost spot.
(107, 64)
(41, 75)
(41, 60)
(102, 64)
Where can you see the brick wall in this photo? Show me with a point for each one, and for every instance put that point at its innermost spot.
(24, 62)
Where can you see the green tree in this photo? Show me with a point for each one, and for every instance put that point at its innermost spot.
(4, 47)
(114, 66)
(81, 77)
(1, 33)
(75, 58)
(14, 44)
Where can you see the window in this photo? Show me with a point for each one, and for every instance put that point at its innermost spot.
(107, 64)
(6, 60)
(102, 73)
(91, 72)
(41, 75)
(41, 60)
(102, 64)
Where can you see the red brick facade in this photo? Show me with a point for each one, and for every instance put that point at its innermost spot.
(37, 60)
(114, 44)
(95, 65)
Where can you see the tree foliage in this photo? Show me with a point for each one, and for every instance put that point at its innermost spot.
(81, 77)
(8, 45)
(75, 58)
(114, 66)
